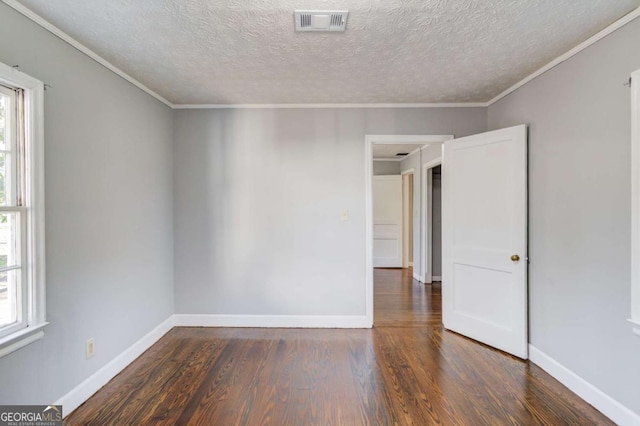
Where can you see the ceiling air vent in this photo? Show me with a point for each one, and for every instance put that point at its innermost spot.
(321, 20)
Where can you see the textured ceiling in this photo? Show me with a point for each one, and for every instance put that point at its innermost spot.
(381, 151)
(394, 51)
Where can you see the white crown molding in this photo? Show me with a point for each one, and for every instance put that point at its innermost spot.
(81, 47)
(571, 53)
(428, 145)
(356, 105)
(389, 159)
(407, 139)
(415, 151)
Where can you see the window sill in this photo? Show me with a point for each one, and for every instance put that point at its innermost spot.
(21, 338)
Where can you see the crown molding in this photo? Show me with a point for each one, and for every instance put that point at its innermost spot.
(415, 151)
(20, 8)
(354, 105)
(14, 4)
(571, 53)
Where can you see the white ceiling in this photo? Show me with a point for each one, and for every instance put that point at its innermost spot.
(393, 51)
(389, 151)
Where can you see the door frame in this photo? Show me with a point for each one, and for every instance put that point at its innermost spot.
(369, 141)
(427, 201)
(407, 216)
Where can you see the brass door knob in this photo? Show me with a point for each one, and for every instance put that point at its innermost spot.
(515, 258)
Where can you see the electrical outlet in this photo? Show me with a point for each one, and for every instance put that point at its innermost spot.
(89, 348)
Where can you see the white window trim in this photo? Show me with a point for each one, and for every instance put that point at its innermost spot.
(635, 200)
(35, 268)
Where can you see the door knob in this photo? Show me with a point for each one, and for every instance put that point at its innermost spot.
(515, 258)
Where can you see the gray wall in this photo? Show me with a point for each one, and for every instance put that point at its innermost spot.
(437, 222)
(258, 199)
(386, 168)
(108, 214)
(579, 211)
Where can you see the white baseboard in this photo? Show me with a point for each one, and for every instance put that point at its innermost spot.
(91, 385)
(411, 264)
(418, 278)
(273, 321)
(585, 390)
(436, 278)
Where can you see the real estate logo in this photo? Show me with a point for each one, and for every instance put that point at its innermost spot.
(30, 415)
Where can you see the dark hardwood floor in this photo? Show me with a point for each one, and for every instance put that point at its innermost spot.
(401, 301)
(401, 372)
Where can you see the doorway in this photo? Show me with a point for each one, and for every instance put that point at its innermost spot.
(432, 206)
(408, 173)
(484, 233)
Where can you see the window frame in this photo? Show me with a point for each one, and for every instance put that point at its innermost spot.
(32, 213)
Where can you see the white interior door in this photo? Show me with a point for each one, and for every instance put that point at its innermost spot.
(387, 221)
(484, 226)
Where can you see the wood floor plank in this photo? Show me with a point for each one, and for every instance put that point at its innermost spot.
(401, 301)
(372, 394)
(407, 370)
(181, 385)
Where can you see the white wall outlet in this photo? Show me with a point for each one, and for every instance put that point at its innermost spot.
(89, 348)
(345, 215)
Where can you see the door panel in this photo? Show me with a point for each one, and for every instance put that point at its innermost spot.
(484, 182)
(387, 221)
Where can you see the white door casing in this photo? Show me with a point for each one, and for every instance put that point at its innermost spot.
(484, 224)
(407, 218)
(387, 221)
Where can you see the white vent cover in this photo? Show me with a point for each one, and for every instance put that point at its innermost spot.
(321, 20)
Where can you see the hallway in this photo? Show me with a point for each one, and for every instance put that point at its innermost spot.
(401, 301)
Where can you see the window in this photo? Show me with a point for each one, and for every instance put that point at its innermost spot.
(22, 311)
(635, 199)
